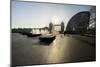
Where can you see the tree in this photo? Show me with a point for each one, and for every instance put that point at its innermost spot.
(62, 27)
(50, 27)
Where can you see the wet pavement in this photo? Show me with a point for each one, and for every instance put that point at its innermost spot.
(64, 49)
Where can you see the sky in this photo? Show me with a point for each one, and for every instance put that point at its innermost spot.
(37, 14)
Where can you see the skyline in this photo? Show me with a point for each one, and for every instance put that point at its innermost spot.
(37, 14)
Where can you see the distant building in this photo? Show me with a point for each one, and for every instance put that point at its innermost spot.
(40, 31)
(79, 22)
(56, 28)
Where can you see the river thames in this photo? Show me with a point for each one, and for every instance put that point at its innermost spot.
(64, 49)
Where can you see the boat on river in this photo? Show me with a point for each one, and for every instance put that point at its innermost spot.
(47, 38)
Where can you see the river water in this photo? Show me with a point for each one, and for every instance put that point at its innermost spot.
(64, 49)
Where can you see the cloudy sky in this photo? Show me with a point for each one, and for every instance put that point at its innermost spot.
(36, 14)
